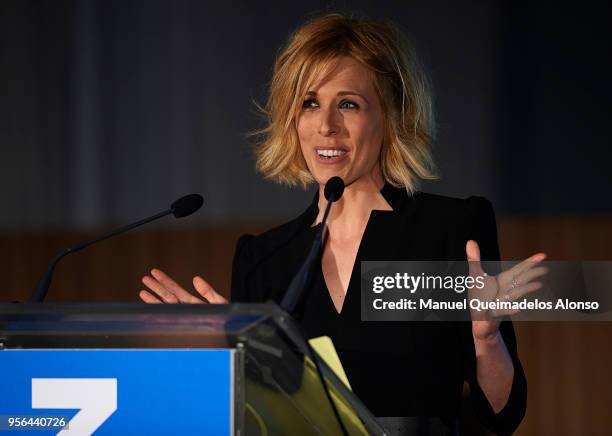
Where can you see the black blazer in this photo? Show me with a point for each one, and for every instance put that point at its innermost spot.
(396, 368)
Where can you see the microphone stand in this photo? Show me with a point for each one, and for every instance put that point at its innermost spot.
(182, 207)
(333, 191)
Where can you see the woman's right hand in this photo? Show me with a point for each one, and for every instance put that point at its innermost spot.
(162, 289)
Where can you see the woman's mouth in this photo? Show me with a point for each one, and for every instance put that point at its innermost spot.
(330, 155)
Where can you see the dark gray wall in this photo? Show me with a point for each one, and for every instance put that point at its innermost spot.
(111, 109)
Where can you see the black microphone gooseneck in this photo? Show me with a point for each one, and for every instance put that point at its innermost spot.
(333, 191)
(182, 207)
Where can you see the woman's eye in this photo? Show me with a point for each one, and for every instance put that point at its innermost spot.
(348, 105)
(309, 104)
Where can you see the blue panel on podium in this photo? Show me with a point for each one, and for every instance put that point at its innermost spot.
(119, 391)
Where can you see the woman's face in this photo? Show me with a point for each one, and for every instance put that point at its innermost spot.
(340, 126)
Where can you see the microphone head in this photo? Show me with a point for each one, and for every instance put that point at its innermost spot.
(186, 205)
(334, 189)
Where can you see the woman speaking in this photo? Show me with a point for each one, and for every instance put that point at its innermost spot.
(349, 99)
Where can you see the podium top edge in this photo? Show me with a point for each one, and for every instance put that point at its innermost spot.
(269, 308)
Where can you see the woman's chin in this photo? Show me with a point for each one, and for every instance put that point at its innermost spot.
(322, 177)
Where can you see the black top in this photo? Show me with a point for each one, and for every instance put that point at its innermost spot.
(396, 368)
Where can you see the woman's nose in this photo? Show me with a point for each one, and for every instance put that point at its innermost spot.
(330, 122)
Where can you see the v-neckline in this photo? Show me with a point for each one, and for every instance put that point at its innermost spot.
(392, 198)
(358, 256)
(350, 280)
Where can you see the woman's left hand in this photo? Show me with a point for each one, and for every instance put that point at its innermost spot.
(508, 285)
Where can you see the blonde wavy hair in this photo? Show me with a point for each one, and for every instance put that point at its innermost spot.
(400, 82)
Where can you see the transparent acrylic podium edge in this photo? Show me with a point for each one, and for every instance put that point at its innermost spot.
(277, 387)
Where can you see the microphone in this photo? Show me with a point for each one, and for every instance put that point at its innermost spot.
(334, 188)
(182, 207)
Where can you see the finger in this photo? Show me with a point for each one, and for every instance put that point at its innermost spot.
(472, 252)
(514, 295)
(509, 281)
(521, 291)
(531, 274)
(165, 295)
(207, 291)
(149, 298)
(179, 292)
(525, 265)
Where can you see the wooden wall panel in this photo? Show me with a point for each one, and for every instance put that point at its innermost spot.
(111, 270)
(568, 364)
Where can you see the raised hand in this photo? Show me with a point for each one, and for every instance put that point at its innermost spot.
(162, 289)
(508, 285)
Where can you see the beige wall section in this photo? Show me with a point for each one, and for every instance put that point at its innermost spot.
(111, 270)
(568, 365)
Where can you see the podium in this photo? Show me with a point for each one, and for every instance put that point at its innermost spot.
(234, 369)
